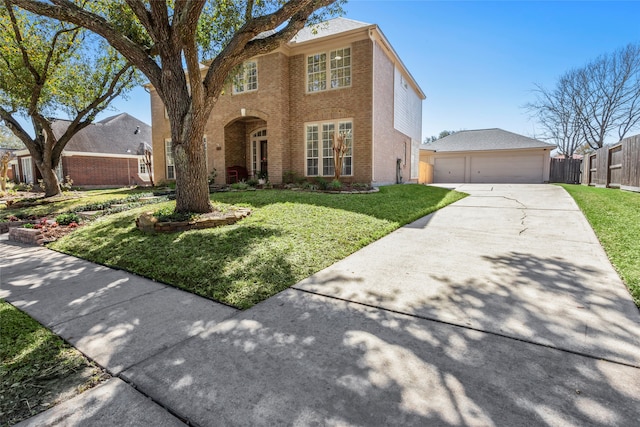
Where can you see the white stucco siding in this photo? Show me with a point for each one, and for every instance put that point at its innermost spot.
(407, 114)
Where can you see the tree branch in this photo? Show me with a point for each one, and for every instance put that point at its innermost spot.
(65, 10)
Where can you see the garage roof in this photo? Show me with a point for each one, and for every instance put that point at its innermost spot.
(484, 140)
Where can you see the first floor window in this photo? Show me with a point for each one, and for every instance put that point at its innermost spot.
(319, 142)
(142, 166)
(312, 150)
(171, 168)
(59, 171)
(27, 170)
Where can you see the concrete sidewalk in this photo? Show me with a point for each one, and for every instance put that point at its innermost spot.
(501, 309)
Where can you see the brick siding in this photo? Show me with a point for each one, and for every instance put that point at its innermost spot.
(101, 171)
(283, 105)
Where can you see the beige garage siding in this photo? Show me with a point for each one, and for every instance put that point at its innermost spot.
(507, 169)
(449, 169)
(529, 166)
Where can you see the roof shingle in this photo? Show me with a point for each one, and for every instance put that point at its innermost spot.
(113, 135)
(484, 140)
(327, 28)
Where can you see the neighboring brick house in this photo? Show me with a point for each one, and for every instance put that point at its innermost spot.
(107, 153)
(279, 115)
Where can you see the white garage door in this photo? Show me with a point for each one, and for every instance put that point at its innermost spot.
(526, 168)
(449, 170)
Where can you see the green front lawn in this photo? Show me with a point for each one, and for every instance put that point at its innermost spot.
(37, 369)
(289, 236)
(69, 201)
(615, 217)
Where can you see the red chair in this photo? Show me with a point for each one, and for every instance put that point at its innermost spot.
(236, 174)
(232, 175)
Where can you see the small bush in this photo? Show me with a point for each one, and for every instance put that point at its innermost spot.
(212, 176)
(290, 177)
(23, 187)
(168, 214)
(67, 218)
(322, 184)
(252, 182)
(360, 186)
(335, 185)
(66, 184)
(28, 225)
(239, 185)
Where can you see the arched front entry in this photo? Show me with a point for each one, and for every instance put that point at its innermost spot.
(246, 151)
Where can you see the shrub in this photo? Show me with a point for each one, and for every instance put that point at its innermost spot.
(67, 218)
(335, 185)
(239, 185)
(28, 225)
(360, 186)
(290, 177)
(252, 182)
(168, 214)
(66, 184)
(322, 184)
(212, 176)
(23, 187)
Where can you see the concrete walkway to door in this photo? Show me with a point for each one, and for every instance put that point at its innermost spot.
(498, 310)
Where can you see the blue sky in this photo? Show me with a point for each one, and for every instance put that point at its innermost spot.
(478, 61)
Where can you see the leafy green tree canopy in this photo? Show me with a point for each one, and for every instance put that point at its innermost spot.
(47, 68)
(162, 38)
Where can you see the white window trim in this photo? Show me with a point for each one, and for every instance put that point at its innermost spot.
(245, 78)
(27, 170)
(168, 155)
(142, 166)
(327, 70)
(336, 125)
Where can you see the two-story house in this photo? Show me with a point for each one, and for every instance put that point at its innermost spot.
(280, 113)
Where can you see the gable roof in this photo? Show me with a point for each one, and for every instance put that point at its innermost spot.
(113, 135)
(327, 28)
(484, 140)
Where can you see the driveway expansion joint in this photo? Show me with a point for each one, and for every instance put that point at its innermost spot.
(471, 328)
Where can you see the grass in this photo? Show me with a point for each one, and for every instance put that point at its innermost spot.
(614, 215)
(70, 201)
(37, 368)
(289, 236)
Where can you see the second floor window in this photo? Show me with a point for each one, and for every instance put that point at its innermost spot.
(247, 78)
(330, 70)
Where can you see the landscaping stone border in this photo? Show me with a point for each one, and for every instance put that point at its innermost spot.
(29, 236)
(5, 226)
(150, 224)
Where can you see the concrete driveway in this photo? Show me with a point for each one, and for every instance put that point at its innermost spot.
(499, 310)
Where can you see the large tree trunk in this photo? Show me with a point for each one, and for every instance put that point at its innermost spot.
(192, 187)
(50, 180)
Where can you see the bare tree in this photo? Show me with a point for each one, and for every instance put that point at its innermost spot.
(593, 103)
(557, 112)
(159, 37)
(610, 89)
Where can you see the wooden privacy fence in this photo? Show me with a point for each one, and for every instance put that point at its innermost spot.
(617, 166)
(565, 170)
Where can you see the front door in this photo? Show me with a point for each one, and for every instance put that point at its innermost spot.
(259, 159)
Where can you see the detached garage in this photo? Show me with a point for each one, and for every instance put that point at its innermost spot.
(485, 156)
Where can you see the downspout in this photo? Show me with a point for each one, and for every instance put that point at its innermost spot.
(373, 105)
